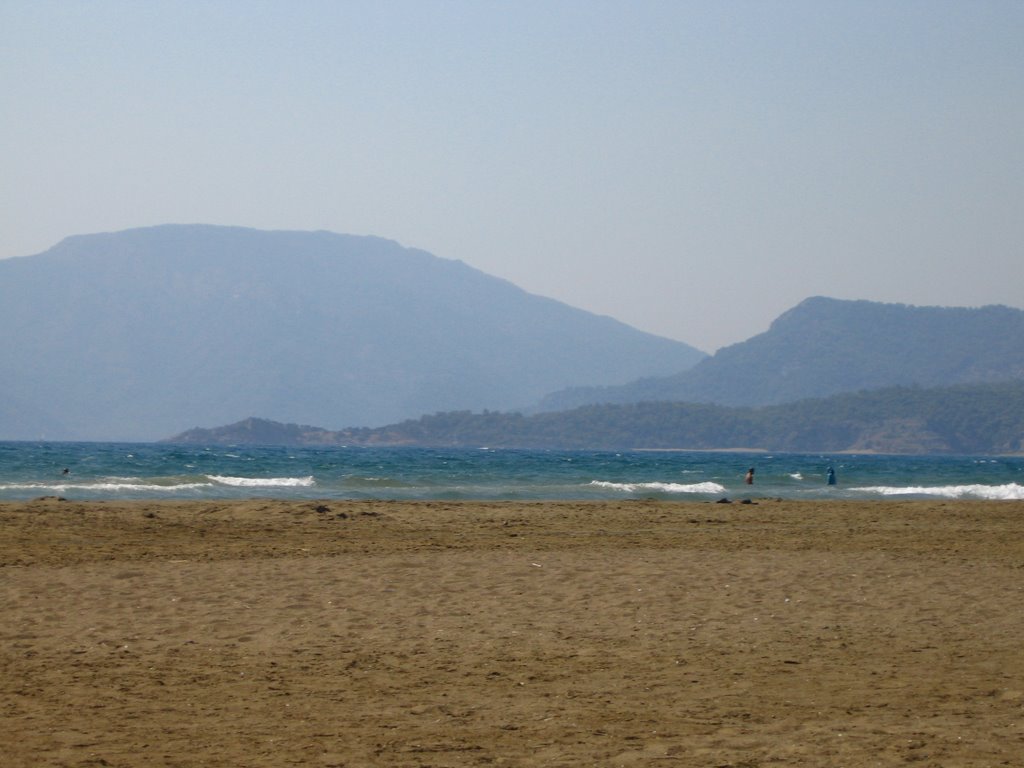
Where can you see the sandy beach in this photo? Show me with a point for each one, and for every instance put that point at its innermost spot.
(269, 633)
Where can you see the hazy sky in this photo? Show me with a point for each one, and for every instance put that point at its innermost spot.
(691, 168)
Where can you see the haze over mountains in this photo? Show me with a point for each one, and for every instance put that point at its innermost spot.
(139, 334)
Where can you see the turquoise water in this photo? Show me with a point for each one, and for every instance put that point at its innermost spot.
(158, 471)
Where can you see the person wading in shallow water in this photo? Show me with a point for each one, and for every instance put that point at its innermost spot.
(749, 479)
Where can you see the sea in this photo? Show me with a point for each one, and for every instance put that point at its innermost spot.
(104, 471)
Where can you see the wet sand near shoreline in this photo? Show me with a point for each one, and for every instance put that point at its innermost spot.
(270, 633)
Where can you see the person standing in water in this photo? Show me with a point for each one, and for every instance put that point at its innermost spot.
(831, 476)
(749, 479)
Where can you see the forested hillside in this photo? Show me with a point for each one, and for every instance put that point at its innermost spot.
(827, 346)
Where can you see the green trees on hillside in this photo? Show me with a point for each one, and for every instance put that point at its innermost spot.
(985, 418)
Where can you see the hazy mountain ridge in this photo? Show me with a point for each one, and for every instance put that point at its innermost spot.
(828, 346)
(129, 335)
(967, 419)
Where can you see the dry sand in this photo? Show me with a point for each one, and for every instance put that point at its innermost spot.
(266, 633)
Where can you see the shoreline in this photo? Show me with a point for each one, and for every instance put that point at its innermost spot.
(262, 632)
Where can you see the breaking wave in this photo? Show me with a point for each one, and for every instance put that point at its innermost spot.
(264, 482)
(1009, 491)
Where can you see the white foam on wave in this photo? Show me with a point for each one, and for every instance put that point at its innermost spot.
(264, 482)
(142, 487)
(705, 487)
(107, 486)
(1009, 491)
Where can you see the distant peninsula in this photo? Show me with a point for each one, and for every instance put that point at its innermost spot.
(978, 419)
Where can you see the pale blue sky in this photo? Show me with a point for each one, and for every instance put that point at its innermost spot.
(691, 168)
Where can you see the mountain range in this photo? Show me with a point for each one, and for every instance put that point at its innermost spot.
(135, 335)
